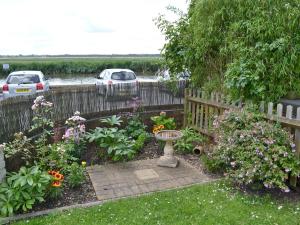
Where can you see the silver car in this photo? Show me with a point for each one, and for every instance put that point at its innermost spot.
(121, 82)
(24, 83)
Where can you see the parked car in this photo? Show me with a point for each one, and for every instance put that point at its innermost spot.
(165, 75)
(24, 83)
(117, 82)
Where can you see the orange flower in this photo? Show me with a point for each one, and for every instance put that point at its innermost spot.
(58, 176)
(56, 183)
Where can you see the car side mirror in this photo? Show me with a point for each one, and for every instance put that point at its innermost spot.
(100, 78)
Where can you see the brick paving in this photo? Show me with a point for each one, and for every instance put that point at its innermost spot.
(137, 177)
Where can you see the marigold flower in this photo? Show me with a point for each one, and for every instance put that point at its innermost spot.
(56, 183)
(58, 176)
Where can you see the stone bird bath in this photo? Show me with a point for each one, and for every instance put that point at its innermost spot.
(168, 159)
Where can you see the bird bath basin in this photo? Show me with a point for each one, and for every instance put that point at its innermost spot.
(168, 159)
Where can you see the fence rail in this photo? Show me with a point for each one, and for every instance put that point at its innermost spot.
(200, 109)
(16, 113)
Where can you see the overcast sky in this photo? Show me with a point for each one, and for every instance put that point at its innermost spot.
(81, 27)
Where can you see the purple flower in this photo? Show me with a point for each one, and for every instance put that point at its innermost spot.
(293, 146)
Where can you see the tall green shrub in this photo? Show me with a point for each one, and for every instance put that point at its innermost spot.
(249, 48)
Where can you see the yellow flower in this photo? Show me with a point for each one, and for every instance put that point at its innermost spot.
(83, 163)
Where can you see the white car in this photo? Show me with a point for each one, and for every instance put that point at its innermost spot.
(117, 82)
(24, 83)
(165, 75)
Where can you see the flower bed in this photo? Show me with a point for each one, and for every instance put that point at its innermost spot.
(50, 169)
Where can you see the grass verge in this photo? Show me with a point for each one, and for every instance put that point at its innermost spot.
(214, 203)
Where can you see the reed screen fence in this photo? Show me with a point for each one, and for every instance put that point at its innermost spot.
(16, 114)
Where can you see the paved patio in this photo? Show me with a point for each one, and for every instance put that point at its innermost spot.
(138, 177)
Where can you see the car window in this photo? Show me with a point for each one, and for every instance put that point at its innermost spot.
(102, 74)
(23, 79)
(123, 75)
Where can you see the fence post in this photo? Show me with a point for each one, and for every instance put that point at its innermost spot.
(185, 115)
(270, 108)
(293, 179)
(262, 107)
(2, 164)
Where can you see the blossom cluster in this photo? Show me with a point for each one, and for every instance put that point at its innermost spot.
(57, 178)
(40, 102)
(76, 127)
(157, 128)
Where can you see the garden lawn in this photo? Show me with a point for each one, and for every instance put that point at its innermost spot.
(214, 203)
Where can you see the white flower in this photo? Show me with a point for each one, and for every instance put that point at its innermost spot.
(280, 207)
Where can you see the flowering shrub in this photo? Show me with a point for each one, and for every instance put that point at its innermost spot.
(42, 113)
(19, 147)
(162, 119)
(251, 149)
(76, 127)
(42, 123)
(74, 135)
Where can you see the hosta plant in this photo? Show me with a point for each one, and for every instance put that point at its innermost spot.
(135, 127)
(253, 150)
(118, 145)
(23, 189)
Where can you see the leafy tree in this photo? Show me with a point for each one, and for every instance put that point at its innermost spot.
(248, 48)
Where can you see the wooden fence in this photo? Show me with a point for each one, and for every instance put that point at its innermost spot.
(16, 113)
(200, 109)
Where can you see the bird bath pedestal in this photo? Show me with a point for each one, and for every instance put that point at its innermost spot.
(168, 159)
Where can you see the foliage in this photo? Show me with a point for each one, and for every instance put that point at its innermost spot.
(140, 141)
(210, 204)
(23, 189)
(176, 36)
(251, 150)
(162, 119)
(112, 121)
(19, 147)
(68, 67)
(188, 141)
(75, 175)
(243, 47)
(57, 156)
(118, 145)
(135, 127)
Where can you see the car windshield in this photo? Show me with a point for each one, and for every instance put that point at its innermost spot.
(123, 75)
(23, 79)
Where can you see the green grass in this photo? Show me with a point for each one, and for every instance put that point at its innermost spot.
(213, 203)
(63, 66)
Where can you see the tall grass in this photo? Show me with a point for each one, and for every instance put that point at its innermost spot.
(64, 66)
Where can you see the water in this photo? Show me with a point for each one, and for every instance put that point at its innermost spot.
(85, 80)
